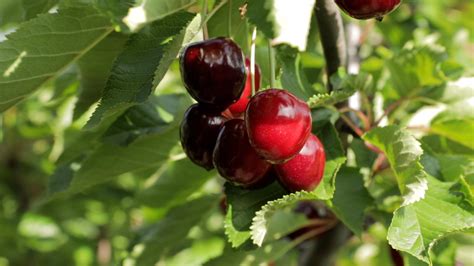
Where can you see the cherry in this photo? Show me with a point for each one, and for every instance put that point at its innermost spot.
(278, 124)
(367, 9)
(397, 258)
(198, 133)
(305, 170)
(310, 210)
(239, 107)
(236, 160)
(213, 72)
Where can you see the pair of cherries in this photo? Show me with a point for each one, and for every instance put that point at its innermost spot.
(367, 9)
(274, 138)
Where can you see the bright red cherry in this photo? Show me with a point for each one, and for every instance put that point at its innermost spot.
(367, 9)
(213, 72)
(198, 133)
(235, 159)
(305, 170)
(278, 124)
(239, 107)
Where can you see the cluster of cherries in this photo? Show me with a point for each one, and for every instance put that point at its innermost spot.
(249, 140)
(367, 9)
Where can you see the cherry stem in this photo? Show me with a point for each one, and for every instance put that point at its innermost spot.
(205, 33)
(368, 107)
(229, 19)
(252, 59)
(271, 57)
(315, 232)
(206, 17)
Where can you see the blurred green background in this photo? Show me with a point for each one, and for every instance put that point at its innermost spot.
(102, 225)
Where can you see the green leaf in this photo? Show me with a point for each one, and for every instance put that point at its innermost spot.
(324, 191)
(35, 7)
(351, 199)
(446, 208)
(147, 11)
(383, 188)
(364, 158)
(343, 86)
(132, 76)
(452, 92)
(218, 24)
(293, 77)
(242, 206)
(335, 158)
(403, 152)
(415, 68)
(456, 124)
(440, 144)
(261, 13)
(152, 116)
(174, 46)
(261, 221)
(10, 13)
(61, 38)
(448, 167)
(174, 227)
(235, 237)
(178, 180)
(200, 252)
(453, 167)
(270, 252)
(110, 160)
(94, 68)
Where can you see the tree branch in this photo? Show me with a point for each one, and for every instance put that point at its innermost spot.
(322, 251)
(333, 39)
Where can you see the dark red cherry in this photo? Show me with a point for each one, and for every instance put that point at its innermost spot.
(310, 210)
(213, 72)
(198, 133)
(239, 107)
(278, 124)
(367, 9)
(305, 170)
(397, 258)
(235, 159)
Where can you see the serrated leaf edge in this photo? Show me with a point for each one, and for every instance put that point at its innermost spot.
(258, 228)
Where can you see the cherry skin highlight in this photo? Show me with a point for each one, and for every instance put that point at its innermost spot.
(305, 170)
(278, 124)
(236, 160)
(198, 133)
(213, 72)
(367, 9)
(239, 107)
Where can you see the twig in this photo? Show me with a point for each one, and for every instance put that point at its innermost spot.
(332, 36)
(368, 107)
(389, 110)
(359, 114)
(351, 124)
